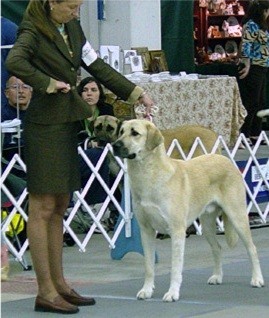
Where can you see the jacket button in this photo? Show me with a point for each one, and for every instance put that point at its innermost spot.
(72, 69)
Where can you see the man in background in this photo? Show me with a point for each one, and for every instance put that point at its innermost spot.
(18, 97)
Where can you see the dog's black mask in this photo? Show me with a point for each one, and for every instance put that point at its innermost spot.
(121, 151)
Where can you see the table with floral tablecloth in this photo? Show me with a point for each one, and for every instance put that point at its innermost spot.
(212, 102)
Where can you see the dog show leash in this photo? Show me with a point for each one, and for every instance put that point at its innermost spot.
(140, 112)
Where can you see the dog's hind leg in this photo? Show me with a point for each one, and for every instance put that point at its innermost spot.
(208, 222)
(148, 235)
(240, 222)
(178, 237)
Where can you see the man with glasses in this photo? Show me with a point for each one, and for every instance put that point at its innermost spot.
(18, 96)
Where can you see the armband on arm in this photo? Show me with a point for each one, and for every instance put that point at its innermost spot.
(88, 54)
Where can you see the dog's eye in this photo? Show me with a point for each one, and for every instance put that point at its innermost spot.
(109, 128)
(134, 133)
(98, 127)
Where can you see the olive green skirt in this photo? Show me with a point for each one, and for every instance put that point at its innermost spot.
(51, 158)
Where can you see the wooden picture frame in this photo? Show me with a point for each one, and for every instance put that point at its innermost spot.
(144, 52)
(158, 57)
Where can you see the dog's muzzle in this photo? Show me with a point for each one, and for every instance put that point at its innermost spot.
(121, 151)
(102, 142)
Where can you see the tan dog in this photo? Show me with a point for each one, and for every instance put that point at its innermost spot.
(169, 194)
(106, 130)
(186, 136)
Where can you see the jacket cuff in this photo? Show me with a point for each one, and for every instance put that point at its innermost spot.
(134, 96)
(52, 86)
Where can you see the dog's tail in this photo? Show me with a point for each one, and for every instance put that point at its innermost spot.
(230, 233)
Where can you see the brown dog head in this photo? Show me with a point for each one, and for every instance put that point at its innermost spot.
(137, 138)
(106, 129)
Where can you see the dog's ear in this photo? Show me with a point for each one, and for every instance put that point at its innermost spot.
(154, 137)
(119, 124)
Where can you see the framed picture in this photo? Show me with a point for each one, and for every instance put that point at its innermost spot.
(127, 55)
(158, 61)
(144, 53)
(136, 63)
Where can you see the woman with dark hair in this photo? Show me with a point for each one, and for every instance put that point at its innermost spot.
(91, 90)
(50, 48)
(255, 58)
(90, 79)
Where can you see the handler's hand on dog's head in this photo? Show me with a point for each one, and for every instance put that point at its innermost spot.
(148, 103)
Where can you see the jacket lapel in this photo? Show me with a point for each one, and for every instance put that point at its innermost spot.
(74, 43)
(61, 45)
(59, 42)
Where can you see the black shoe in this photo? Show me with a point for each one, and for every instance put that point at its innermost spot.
(75, 299)
(58, 305)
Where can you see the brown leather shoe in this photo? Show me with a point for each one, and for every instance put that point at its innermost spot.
(58, 305)
(78, 300)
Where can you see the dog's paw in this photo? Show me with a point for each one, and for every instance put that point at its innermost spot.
(171, 296)
(257, 282)
(145, 293)
(215, 280)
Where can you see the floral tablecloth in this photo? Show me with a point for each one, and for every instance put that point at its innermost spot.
(212, 102)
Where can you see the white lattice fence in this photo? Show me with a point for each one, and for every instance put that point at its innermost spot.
(81, 206)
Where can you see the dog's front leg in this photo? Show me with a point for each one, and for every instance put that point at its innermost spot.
(178, 247)
(148, 243)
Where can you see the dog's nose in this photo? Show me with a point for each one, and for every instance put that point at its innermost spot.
(103, 141)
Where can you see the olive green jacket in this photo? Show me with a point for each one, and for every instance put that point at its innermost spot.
(36, 59)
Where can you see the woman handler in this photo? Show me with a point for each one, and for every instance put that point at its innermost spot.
(49, 50)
